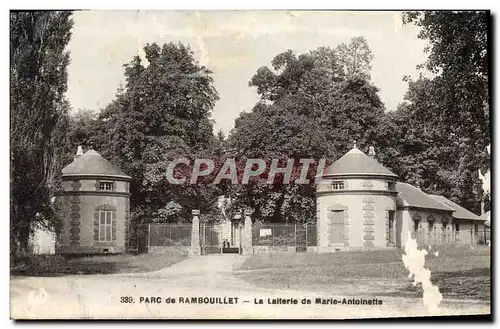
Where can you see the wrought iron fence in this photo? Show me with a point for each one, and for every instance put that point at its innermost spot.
(483, 236)
(472, 237)
(436, 237)
(284, 235)
(169, 235)
(137, 238)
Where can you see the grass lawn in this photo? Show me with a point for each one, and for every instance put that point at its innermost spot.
(54, 265)
(459, 272)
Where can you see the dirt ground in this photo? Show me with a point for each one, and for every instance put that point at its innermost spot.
(120, 296)
(459, 272)
(56, 265)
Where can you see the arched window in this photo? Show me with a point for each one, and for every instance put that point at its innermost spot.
(416, 221)
(431, 221)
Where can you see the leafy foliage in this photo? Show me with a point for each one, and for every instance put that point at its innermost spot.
(442, 129)
(161, 114)
(313, 105)
(38, 81)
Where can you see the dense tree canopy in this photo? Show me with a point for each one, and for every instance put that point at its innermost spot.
(38, 82)
(313, 105)
(442, 129)
(161, 114)
(316, 104)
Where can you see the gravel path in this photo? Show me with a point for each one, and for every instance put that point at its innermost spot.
(207, 277)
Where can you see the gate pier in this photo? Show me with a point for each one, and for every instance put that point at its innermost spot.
(195, 249)
(246, 242)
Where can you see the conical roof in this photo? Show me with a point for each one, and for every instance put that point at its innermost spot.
(355, 162)
(92, 163)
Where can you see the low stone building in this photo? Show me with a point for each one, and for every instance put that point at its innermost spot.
(360, 205)
(428, 220)
(467, 226)
(94, 206)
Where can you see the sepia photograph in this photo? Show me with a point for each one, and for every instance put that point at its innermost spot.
(250, 164)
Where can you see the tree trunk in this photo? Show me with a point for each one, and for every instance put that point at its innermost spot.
(24, 237)
(20, 235)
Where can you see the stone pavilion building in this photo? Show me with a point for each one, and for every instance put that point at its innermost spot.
(94, 206)
(361, 205)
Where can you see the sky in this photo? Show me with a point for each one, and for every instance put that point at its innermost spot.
(233, 45)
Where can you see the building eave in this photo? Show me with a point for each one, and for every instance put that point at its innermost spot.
(358, 192)
(95, 193)
(407, 207)
(469, 219)
(356, 175)
(66, 177)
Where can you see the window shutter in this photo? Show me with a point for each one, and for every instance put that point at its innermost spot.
(108, 233)
(101, 233)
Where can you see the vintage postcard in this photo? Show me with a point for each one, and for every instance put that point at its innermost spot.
(249, 164)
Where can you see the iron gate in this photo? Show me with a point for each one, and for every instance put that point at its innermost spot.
(216, 239)
(301, 238)
(210, 238)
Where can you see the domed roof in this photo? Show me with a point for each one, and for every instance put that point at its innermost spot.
(92, 163)
(355, 163)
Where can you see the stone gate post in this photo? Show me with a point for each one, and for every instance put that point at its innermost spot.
(247, 233)
(195, 249)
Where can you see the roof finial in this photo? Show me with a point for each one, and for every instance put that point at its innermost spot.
(417, 185)
(371, 151)
(79, 151)
(354, 146)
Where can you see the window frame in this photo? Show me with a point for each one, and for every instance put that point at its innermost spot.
(106, 184)
(392, 218)
(339, 183)
(430, 225)
(416, 225)
(108, 235)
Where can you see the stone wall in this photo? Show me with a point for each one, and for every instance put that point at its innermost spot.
(364, 219)
(271, 249)
(183, 250)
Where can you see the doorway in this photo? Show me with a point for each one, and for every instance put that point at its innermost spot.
(336, 226)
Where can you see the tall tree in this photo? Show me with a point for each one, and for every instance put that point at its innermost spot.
(457, 40)
(162, 114)
(451, 109)
(356, 58)
(312, 106)
(38, 82)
